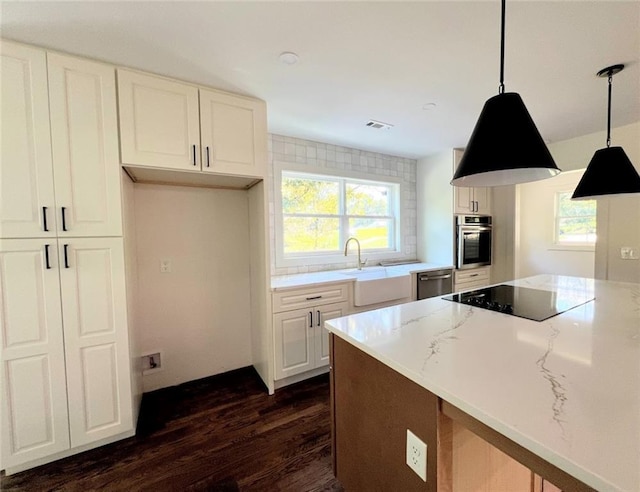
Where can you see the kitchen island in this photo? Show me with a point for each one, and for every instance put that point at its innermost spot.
(561, 396)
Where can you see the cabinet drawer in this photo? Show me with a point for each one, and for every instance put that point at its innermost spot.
(476, 284)
(472, 275)
(313, 296)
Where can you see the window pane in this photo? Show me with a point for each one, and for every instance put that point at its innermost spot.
(569, 208)
(309, 234)
(576, 220)
(312, 196)
(372, 233)
(366, 199)
(577, 230)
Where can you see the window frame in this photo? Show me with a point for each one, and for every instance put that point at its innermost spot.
(283, 259)
(568, 246)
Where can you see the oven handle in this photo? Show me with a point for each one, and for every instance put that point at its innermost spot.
(474, 228)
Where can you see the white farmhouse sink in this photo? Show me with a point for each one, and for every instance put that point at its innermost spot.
(376, 284)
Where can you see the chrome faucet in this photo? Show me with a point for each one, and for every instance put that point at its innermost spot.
(346, 249)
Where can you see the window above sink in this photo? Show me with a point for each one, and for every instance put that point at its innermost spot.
(315, 213)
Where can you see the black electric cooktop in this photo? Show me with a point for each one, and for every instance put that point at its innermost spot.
(523, 302)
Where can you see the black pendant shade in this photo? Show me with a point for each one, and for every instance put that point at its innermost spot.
(505, 147)
(610, 172)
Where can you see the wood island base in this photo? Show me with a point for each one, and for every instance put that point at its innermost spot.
(372, 408)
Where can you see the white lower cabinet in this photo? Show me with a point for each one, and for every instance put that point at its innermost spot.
(35, 421)
(64, 384)
(301, 341)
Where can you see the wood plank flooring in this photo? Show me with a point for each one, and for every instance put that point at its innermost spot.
(217, 434)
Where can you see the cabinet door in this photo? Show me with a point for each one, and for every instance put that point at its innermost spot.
(96, 338)
(294, 337)
(472, 200)
(463, 200)
(234, 132)
(26, 173)
(325, 313)
(84, 131)
(159, 122)
(34, 394)
(482, 196)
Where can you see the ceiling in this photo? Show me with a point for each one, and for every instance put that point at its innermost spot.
(367, 60)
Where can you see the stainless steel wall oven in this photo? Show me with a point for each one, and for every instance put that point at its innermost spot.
(473, 240)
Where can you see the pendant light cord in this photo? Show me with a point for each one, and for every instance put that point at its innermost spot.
(501, 88)
(609, 113)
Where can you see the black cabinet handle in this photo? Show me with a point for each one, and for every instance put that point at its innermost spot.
(318, 317)
(207, 156)
(313, 298)
(46, 257)
(64, 220)
(44, 219)
(194, 156)
(66, 256)
(310, 319)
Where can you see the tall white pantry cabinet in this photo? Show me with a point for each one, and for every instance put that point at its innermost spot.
(65, 372)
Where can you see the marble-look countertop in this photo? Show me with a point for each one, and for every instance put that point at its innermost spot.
(333, 276)
(567, 388)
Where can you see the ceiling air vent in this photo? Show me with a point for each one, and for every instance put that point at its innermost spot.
(378, 125)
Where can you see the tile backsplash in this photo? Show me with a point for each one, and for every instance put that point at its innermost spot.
(323, 157)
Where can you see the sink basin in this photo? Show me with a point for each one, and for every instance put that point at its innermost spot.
(376, 284)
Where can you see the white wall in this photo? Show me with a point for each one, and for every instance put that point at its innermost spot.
(537, 252)
(435, 227)
(199, 314)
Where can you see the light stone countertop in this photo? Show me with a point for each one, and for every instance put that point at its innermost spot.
(334, 276)
(567, 388)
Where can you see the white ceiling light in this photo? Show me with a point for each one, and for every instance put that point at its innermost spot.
(288, 57)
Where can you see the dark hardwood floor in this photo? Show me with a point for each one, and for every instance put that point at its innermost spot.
(218, 434)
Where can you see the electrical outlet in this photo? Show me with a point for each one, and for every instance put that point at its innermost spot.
(165, 266)
(628, 253)
(417, 455)
(151, 362)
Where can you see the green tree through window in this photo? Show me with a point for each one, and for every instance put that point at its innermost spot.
(320, 212)
(575, 220)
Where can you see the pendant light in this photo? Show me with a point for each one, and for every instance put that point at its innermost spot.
(505, 146)
(610, 171)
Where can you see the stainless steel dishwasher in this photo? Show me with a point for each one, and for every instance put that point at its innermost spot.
(435, 283)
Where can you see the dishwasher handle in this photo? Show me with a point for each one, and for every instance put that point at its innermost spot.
(424, 278)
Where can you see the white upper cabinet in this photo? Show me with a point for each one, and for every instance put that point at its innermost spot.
(159, 122)
(27, 207)
(169, 124)
(233, 132)
(470, 200)
(84, 129)
(58, 134)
